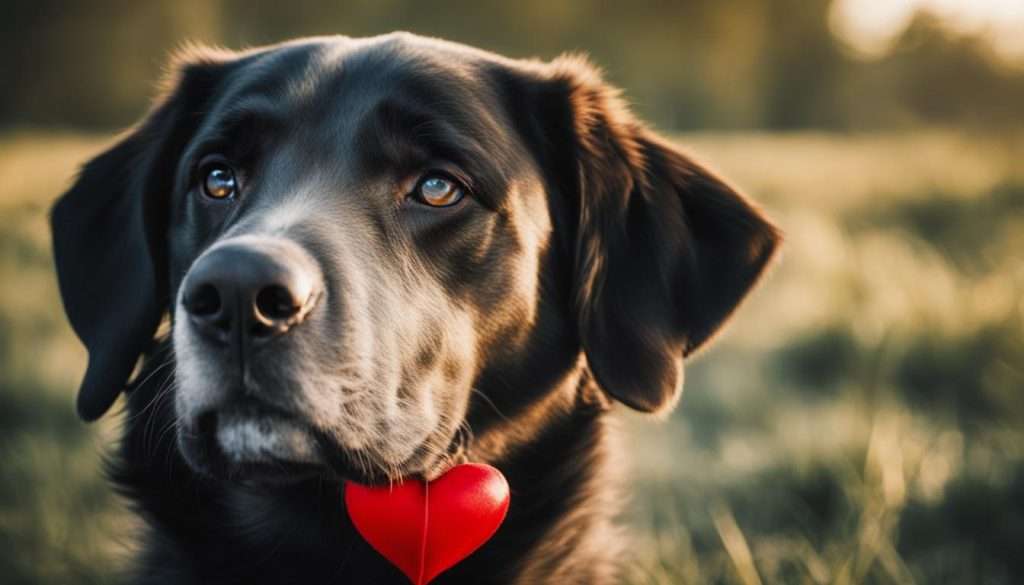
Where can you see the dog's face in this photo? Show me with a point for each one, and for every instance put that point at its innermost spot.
(355, 238)
(385, 181)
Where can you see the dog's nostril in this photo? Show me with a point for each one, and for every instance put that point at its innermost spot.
(204, 301)
(276, 302)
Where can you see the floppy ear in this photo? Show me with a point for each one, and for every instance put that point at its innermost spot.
(109, 230)
(664, 249)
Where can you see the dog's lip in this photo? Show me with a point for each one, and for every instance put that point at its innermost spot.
(238, 449)
(251, 440)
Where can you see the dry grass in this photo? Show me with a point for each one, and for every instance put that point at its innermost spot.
(859, 423)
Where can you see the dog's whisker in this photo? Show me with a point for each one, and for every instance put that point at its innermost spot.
(165, 390)
(490, 403)
(138, 385)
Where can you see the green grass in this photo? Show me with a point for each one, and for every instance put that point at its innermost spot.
(860, 422)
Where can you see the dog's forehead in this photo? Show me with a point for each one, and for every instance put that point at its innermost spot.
(334, 84)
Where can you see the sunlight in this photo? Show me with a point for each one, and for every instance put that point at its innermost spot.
(871, 26)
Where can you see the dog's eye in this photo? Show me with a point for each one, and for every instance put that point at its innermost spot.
(438, 190)
(219, 181)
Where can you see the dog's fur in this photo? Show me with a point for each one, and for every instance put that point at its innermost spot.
(588, 259)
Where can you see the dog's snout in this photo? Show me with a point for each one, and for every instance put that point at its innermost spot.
(250, 290)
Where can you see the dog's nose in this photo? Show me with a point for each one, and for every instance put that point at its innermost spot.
(250, 290)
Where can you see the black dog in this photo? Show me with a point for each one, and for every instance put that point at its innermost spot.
(378, 257)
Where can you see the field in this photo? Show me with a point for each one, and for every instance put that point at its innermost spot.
(860, 422)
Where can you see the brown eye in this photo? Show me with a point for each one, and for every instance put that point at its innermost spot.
(438, 190)
(219, 181)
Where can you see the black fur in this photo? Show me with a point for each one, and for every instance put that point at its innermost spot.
(644, 255)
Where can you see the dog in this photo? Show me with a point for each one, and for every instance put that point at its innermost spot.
(370, 259)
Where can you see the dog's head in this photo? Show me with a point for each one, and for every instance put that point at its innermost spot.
(354, 238)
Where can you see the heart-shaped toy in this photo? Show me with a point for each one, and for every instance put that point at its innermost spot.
(425, 529)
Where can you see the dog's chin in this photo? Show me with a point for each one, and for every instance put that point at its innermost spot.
(251, 445)
(259, 446)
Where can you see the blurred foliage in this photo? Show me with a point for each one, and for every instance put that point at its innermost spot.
(695, 64)
(56, 520)
(971, 232)
(860, 422)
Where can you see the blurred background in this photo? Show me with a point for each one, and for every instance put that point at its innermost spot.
(860, 422)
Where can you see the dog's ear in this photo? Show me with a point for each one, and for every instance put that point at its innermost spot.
(664, 250)
(109, 231)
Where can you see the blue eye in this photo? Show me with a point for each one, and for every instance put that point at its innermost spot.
(438, 190)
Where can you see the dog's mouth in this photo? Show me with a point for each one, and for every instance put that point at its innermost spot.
(255, 437)
(249, 441)
(256, 443)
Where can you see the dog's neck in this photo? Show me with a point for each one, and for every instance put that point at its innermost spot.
(298, 533)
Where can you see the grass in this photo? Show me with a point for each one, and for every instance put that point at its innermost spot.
(860, 422)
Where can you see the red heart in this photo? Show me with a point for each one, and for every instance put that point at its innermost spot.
(424, 529)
